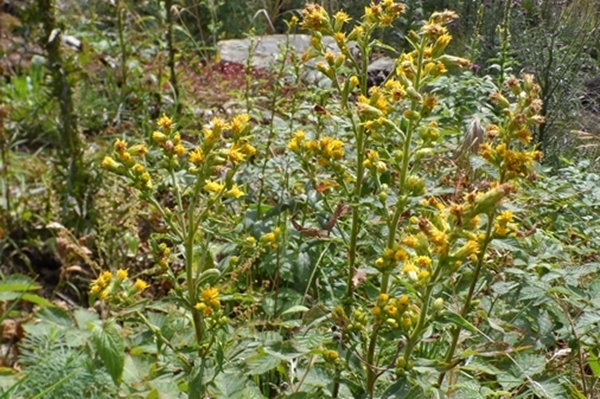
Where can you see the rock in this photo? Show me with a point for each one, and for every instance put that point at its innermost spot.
(265, 48)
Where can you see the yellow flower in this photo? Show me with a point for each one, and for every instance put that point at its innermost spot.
(197, 156)
(104, 295)
(332, 148)
(210, 296)
(179, 149)
(200, 306)
(439, 238)
(409, 267)
(376, 311)
(239, 124)
(400, 255)
(406, 322)
(410, 241)
(235, 155)
(165, 122)
(403, 300)
(341, 17)
(314, 17)
(159, 137)
(234, 192)
(268, 237)
(122, 274)
(339, 38)
(110, 164)
(214, 187)
(505, 217)
(391, 310)
(140, 285)
(120, 146)
(138, 169)
(138, 149)
(104, 278)
(248, 149)
(470, 248)
(218, 125)
(423, 261)
(95, 289)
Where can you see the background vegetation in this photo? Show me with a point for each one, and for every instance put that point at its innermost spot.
(261, 265)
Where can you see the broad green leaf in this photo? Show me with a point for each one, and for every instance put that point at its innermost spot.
(55, 315)
(234, 386)
(38, 300)
(481, 368)
(84, 317)
(261, 364)
(451, 317)
(111, 349)
(594, 364)
(18, 282)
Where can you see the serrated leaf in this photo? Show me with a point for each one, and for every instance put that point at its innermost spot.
(250, 393)
(508, 381)
(548, 389)
(111, 350)
(530, 364)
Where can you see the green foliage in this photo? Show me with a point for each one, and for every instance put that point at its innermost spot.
(57, 361)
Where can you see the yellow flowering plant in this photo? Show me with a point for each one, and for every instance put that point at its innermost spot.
(199, 172)
(411, 231)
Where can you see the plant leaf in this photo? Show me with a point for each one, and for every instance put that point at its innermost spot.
(111, 350)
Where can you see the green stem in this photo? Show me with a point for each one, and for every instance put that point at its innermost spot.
(393, 226)
(355, 218)
(189, 259)
(467, 305)
(121, 29)
(371, 375)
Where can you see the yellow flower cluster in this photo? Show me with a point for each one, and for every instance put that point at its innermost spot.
(106, 286)
(503, 149)
(373, 163)
(326, 149)
(316, 19)
(219, 187)
(271, 238)
(393, 311)
(209, 301)
(125, 163)
(162, 254)
(169, 140)
(383, 13)
(503, 226)
(391, 258)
